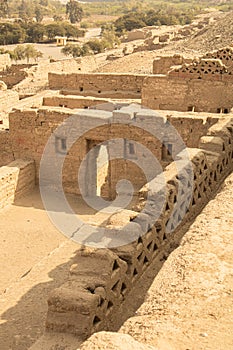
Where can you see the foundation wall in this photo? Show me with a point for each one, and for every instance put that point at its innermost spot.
(99, 85)
(16, 180)
(168, 93)
(72, 102)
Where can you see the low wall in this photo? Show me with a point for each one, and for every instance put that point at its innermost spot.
(16, 180)
(72, 101)
(170, 93)
(99, 84)
(100, 280)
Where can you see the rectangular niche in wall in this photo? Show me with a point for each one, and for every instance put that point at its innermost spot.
(60, 145)
(167, 152)
(130, 149)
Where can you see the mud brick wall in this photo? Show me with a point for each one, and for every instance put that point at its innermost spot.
(5, 61)
(6, 153)
(99, 84)
(16, 179)
(88, 302)
(30, 130)
(171, 93)
(207, 69)
(72, 101)
(225, 55)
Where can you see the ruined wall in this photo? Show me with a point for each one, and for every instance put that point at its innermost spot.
(72, 101)
(208, 69)
(90, 300)
(162, 65)
(179, 94)
(99, 84)
(224, 54)
(6, 152)
(5, 61)
(37, 75)
(30, 130)
(16, 179)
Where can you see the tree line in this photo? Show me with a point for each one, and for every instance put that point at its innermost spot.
(21, 32)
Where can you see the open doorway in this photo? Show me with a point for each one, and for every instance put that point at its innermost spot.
(97, 179)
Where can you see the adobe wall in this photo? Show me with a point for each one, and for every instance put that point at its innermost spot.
(37, 75)
(30, 130)
(72, 101)
(162, 65)
(16, 180)
(182, 94)
(5, 61)
(6, 151)
(99, 84)
(92, 297)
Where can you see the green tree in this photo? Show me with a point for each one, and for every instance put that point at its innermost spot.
(74, 11)
(25, 11)
(76, 50)
(11, 33)
(39, 14)
(19, 53)
(35, 32)
(31, 52)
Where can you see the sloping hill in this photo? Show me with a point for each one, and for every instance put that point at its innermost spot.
(214, 36)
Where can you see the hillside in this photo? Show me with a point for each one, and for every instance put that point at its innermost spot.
(214, 36)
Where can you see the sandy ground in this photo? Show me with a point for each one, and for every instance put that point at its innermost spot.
(34, 259)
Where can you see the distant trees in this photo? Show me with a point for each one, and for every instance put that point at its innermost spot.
(107, 41)
(76, 50)
(23, 52)
(11, 33)
(166, 16)
(74, 11)
(32, 32)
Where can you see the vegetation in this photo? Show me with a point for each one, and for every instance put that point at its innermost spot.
(23, 52)
(108, 41)
(32, 32)
(74, 11)
(134, 20)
